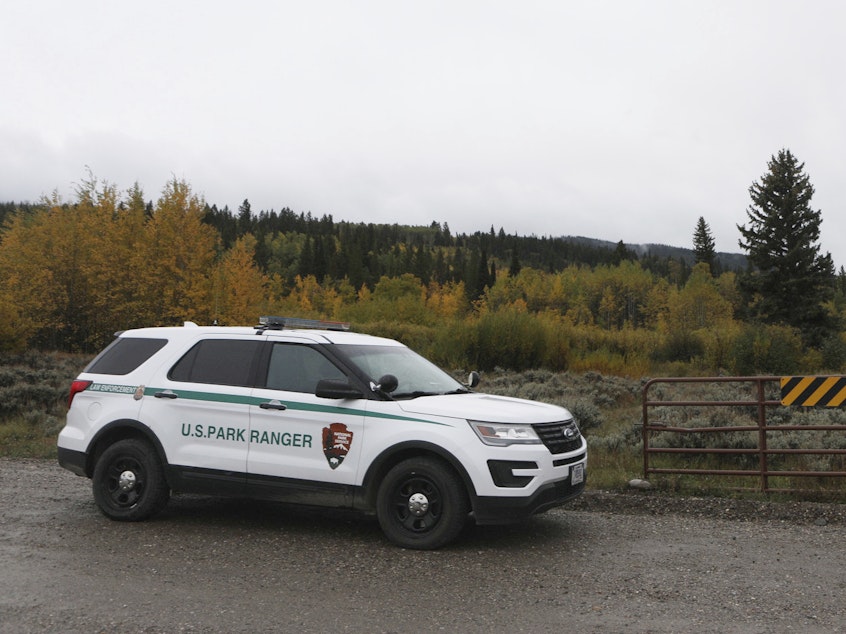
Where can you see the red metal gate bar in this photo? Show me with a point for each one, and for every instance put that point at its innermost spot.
(761, 405)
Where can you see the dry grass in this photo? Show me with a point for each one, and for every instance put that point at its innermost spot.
(33, 393)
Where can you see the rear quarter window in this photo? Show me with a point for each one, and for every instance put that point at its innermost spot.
(219, 362)
(124, 355)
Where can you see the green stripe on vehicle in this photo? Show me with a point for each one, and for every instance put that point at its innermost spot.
(217, 397)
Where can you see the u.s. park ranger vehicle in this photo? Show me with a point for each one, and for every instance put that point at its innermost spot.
(311, 413)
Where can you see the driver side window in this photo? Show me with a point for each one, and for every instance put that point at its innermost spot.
(298, 368)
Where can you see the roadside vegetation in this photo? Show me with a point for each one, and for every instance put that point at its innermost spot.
(73, 273)
(33, 396)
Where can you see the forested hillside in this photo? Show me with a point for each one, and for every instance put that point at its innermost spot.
(72, 273)
(299, 244)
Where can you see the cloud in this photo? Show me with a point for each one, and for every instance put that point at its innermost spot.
(615, 120)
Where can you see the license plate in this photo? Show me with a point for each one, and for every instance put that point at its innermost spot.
(577, 474)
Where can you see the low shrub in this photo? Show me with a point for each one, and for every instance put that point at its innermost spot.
(761, 349)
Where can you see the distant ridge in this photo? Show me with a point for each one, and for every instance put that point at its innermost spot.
(728, 261)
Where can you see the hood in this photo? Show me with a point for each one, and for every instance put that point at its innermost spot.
(485, 407)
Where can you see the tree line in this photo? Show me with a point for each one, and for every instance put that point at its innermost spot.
(291, 244)
(71, 273)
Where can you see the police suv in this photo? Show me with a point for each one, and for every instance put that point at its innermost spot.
(311, 413)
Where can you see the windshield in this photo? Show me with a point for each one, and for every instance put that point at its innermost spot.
(416, 375)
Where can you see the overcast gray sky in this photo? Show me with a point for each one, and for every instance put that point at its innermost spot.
(618, 120)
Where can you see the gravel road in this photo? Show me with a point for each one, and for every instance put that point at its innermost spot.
(634, 562)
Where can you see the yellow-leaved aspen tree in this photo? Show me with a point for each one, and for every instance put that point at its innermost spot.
(242, 293)
(179, 253)
(27, 294)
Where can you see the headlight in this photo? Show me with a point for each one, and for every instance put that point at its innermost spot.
(504, 434)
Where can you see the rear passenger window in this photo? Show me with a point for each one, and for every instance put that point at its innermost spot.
(124, 355)
(218, 361)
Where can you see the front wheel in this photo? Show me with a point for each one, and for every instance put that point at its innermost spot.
(129, 483)
(422, 504)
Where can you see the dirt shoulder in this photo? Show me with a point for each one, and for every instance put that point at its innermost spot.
(655, 503)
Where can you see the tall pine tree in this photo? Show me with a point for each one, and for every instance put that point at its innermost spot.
(789, 281)
(703, 244)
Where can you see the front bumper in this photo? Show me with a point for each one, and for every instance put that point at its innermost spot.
(509, 510)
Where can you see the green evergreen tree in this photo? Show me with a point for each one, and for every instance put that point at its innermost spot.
(621, 253)
(515, 266)
(788, 281)
(703, 244)
(484, 275)
(306, 264)
(440, 272)
(245, 218)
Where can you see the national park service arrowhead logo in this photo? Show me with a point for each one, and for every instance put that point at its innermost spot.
(337, 440)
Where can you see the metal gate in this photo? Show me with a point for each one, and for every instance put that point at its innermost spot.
(758, 445)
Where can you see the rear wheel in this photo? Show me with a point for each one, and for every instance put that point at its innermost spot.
(129, 483)
(422, 504)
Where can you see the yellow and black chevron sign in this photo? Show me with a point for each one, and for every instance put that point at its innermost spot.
(813, 391)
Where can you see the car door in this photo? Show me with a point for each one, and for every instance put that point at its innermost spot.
(306, 448)
(200, 411)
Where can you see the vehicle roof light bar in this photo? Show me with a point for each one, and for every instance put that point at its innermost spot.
(269, 322)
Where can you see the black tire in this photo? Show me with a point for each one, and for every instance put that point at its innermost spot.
(129, 482)
(422, 504)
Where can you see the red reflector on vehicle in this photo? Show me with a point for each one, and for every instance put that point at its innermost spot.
(76, 388)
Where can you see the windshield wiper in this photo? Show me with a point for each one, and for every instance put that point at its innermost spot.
(415, 394)
(419, 393)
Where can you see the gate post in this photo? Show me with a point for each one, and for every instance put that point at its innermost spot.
(762, 436)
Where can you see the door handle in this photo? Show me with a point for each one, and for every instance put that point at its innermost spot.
(166, 394)
(274, 404)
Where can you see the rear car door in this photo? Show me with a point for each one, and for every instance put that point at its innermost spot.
(200, 410)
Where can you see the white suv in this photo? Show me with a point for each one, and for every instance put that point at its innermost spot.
(286, 411)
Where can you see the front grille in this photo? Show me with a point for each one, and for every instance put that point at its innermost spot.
(559, 437)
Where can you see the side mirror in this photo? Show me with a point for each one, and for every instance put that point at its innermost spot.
(333, 388)
(387, 384)
(473, 379)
